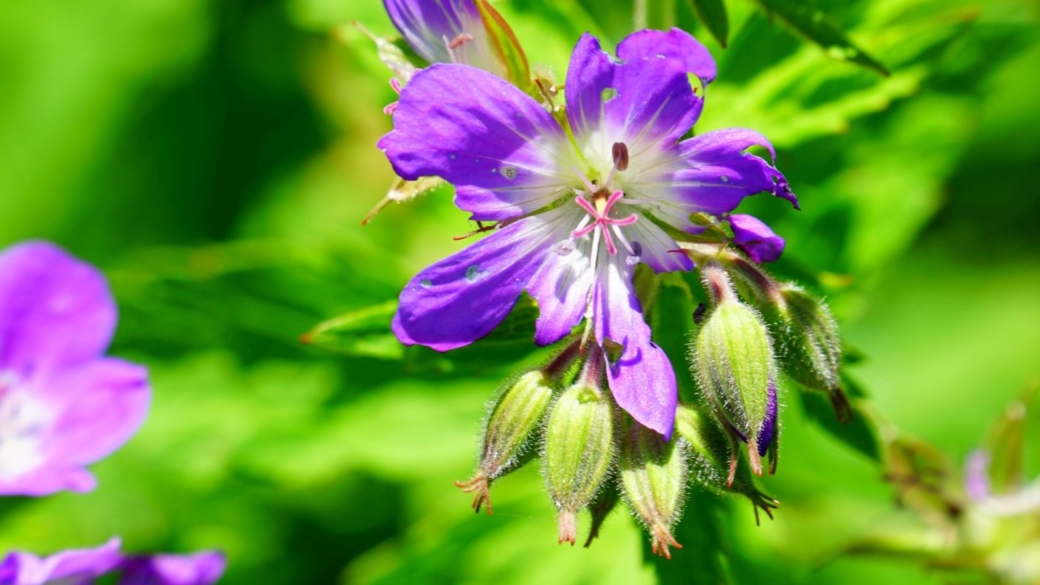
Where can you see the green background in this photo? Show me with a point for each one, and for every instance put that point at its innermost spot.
(215, 160)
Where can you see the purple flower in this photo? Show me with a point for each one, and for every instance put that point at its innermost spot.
(63, 404)
(576, 211)
(74, 567)
(201, 568)
(755, 238)
(445, 31)
(83, 566)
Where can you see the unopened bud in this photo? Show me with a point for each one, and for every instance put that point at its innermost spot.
(710, 453)
(733, 361)
(653, 477)
(515, 417)
(579, 450)
(809, 344)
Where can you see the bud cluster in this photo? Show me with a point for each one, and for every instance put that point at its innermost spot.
(752, 331)
(755, 330)
(592, 454)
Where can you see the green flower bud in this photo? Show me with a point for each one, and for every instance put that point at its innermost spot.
(733, 361)
(653, 478)
(516, 414)
(710, 453)
(805, 332)
(809, 345)
(579, 450)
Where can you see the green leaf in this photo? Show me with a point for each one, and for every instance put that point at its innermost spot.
(365, 332)
(814, 25)
(859, 433)
(713, 14)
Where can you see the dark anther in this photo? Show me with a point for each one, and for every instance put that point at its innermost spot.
(698, 313)
(620, 153)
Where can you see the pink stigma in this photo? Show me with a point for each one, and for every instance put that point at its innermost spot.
(602, 218)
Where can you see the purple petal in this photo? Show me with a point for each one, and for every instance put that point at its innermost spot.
(202, 568)
(91, 410)
(644, 102)
(674, 44)
(425, 24)
(53, 308)
(463, 297)
(656, 248)
(503, 152)
(428, 26)
(768, 430)
(642, 379)
(709, 173)
(75, 567)
(100, 406)
(755, 238)
(561, 286)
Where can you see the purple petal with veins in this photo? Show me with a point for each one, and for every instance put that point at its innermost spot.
(445, 31)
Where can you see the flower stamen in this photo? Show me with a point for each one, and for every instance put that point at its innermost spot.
(454, 44)
(600, 214)
(392, 106)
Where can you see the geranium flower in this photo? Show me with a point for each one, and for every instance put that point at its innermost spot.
(578, 204)
(63, 404)
(85, 566)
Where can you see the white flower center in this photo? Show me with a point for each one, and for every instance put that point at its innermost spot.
(601, 218)
(22, 421)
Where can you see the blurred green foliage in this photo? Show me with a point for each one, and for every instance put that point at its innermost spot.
(216, 159)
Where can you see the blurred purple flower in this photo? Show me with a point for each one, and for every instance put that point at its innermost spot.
(755, 238)
(71, 567)
(575, 214)
(200, 568)
(445, 31)
(63, 404)
(84, 566)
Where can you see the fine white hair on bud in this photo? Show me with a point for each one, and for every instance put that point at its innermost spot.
(709, 454)
(806, 334)
(653, 479)
(516, 415)
(732, 359)
(810, 348)
(579, 446)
